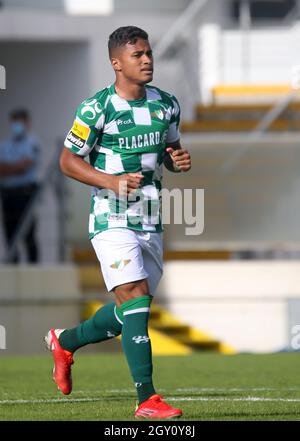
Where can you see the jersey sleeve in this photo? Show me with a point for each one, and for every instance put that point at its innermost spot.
(86, 129)
(173, 132)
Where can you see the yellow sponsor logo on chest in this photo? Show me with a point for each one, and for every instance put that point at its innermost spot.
(80, 130)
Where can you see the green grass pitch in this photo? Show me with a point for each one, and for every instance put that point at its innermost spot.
(205, 386)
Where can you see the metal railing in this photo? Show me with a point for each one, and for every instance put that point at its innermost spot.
(176, 29)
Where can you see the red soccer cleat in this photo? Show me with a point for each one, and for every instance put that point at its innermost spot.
(62, 362)
(155, 407)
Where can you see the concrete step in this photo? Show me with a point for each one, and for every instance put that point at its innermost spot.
(236, 126)
(162, 344)
(168, 335)
(240, 109)
(90, 277)
(250, 93)
(90, 271)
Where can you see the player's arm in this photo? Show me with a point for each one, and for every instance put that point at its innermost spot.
(80, 141)
(76, 167)
(176, 159)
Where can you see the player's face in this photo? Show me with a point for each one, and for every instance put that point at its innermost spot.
(135, 62)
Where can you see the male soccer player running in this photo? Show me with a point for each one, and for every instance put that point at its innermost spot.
(129, 130)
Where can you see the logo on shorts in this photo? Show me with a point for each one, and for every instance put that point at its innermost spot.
(110, 334)
(120, 264)
(140, 339)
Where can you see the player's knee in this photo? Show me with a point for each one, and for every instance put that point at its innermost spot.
(131, 290)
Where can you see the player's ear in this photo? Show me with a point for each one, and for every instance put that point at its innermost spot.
(115, 64)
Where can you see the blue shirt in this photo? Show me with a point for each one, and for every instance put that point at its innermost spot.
(12, 151)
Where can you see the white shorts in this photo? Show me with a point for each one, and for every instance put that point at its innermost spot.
(127, 255)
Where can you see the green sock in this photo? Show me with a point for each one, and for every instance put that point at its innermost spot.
(136, 344)
(105, 324)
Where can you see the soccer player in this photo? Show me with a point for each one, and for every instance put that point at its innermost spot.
(129, 130)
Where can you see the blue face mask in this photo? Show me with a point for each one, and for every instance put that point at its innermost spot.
(17, 128)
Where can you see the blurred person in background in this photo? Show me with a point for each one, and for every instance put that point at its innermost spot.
(19, 157)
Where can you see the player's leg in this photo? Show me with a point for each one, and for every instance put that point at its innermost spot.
(108, 320)
(103, 325)
(106, 323)
(63, 361)
(152, 252)
(134, 299)
(120, 255)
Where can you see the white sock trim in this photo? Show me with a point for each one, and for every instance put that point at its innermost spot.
(134, 311)
(58, 332)
(116, 315)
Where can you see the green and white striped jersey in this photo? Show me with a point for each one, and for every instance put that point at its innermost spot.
(120, 137)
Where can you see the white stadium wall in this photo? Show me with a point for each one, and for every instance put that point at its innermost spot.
(34, 299)
(244, 304)
(255, 205)
(263, 55)
(251, 306)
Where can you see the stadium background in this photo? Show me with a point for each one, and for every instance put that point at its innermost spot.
(234, 66)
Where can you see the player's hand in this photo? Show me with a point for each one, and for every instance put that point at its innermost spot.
(127, 183)
(181, 159)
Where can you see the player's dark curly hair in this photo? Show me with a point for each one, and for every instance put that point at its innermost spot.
(124, 35)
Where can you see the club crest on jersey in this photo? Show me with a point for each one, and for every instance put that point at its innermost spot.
(160, 114)
(91, 109)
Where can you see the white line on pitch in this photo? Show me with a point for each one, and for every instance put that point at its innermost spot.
(193, 389)
(233, 389)
(233, 399)
(84, 400)
(54, 400)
